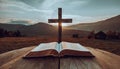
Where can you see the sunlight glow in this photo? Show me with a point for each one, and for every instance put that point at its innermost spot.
(56, 24)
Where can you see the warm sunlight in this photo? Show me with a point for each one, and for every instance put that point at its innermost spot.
(56, 24)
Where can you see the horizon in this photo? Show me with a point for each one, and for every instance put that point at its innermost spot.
(25, 22)
(81, 11)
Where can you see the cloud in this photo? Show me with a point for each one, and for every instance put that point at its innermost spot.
(25, 22)
(65, 4)
(3, 20)
(79, 19)
(18, 9)
(42, 10)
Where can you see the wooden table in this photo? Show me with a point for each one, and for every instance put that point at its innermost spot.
(102, 60)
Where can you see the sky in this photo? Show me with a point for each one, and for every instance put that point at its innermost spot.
(34, 11)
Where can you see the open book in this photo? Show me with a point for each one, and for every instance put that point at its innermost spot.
(58, 50)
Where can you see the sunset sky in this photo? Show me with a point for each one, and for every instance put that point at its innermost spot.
(81, 11)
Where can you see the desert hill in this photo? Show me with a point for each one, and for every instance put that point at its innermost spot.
(11, 27)
(112, 24)
(102, 60)
(30, 30)
(40, 29)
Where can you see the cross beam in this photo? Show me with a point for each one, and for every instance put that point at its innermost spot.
(59, 21)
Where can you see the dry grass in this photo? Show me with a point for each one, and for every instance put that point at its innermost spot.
(11, 43)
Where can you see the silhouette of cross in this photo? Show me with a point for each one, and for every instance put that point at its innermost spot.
(59, 21)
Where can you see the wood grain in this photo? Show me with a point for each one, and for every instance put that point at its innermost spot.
(102, 60)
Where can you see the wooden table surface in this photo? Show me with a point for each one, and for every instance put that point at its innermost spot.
(102, 60)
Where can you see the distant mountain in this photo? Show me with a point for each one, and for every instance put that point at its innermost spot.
(112, 24)
(31, 30)
(41, 29)
(11, 27)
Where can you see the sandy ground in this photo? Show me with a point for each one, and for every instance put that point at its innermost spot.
(102, 60)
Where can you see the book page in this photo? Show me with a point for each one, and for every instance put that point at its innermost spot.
(73, 46)
(45, 46)
(59, 47)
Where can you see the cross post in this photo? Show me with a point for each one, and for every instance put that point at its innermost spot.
(59, 21)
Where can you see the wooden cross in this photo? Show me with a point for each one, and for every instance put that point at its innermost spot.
(59, 21)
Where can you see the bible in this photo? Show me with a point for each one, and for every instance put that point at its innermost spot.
(58, 50)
